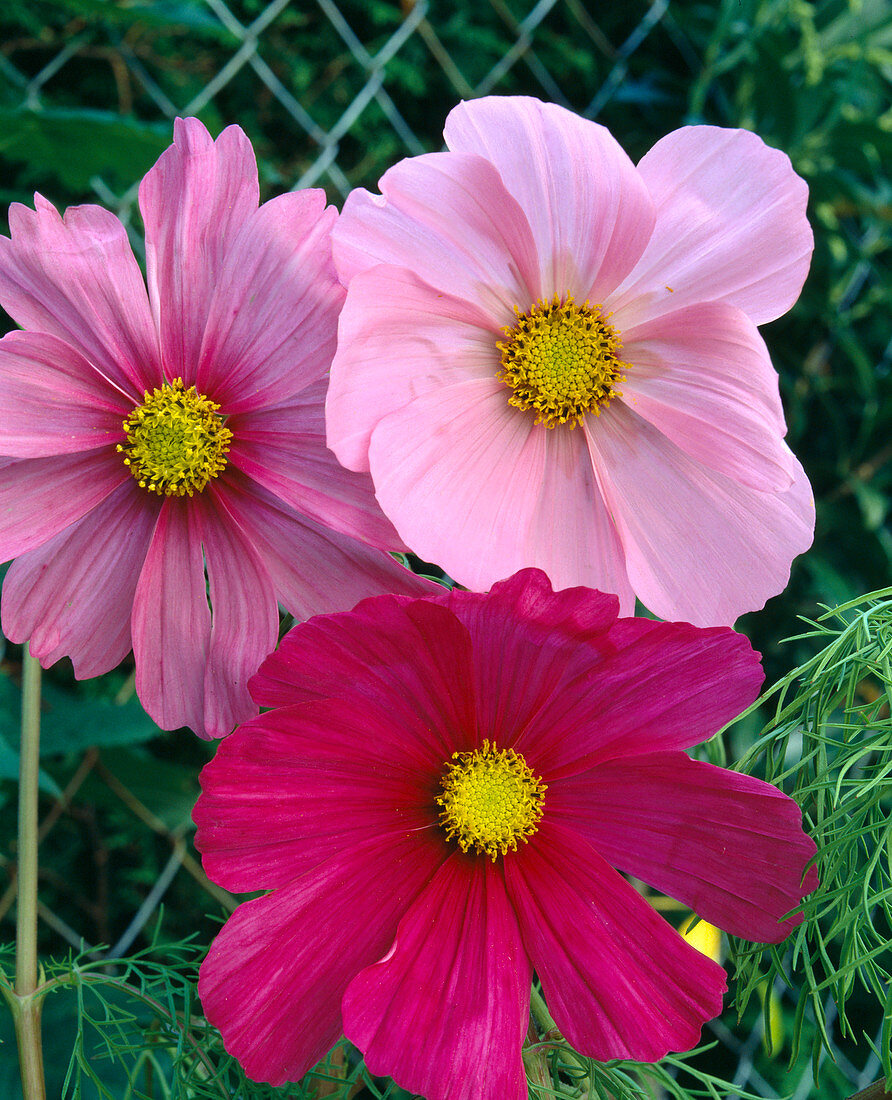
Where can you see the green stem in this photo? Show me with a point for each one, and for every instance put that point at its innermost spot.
(27, 1012)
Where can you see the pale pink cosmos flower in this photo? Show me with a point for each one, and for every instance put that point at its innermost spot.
(549, 356)
(170, 480)
(439, 801)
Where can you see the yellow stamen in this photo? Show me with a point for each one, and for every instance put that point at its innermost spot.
(490, 800)
(562, 360)
(176, 442)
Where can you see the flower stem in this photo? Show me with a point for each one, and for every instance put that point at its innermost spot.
(29, 1002)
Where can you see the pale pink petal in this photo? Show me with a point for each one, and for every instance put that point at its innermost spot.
(445, 1012)
(699, 546)
(244, 614)
(619, 981)
(54, 402)
(399, 338)
(172, 621)
(77, 278)
(588, 208)
(193, 202)
(273, 319)
(294, 787)
(39, 497)
(702, 376)
(73, 596)
(448, 218)
(274, 977)
(283, 449)
(314, 569)
(729, 846)
(730, 227)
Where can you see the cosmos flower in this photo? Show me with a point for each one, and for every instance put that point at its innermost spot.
(169, 479)
(441, 801)
(549, 356)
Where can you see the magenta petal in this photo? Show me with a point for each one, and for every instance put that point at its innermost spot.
(729, 846)
(193, 202)
(589, 210)
(297, 786)
(77, 278)
(244, 618)
(39, 497)
(444, 1013)
(172, 621)
(273, 320)
(54, 402)
(274, 977)
(73, 596)
(619, 981)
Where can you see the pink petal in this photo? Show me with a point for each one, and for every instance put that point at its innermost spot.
(274, 977)
(702, 377)
(587, 206)
(297, 786)
(193, 202)
(619, 981)
(399, 338)
(729, 846)
(730, 227)
(699, 546)
(73, 596)
(172, 621)
(444, 1013)
(315, 570)
(244, 615)
(78, 279)
(273, 319)
(283, 449)
(54, 402)
(448, 218)
(39, 497)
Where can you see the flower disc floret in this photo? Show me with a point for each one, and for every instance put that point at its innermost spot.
(176, 441)
(491, 800)
(562, 360)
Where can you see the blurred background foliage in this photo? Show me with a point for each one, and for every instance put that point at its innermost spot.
(331, 93)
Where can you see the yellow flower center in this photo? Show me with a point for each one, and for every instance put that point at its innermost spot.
(562, 360)
(176, 442)
(490, 800)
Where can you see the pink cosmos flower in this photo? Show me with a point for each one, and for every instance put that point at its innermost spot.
(549, 357)
(438, 802)
(168, 447)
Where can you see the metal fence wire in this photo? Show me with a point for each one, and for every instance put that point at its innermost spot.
(331, 92)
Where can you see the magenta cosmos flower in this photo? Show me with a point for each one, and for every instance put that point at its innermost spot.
(169, 446)
(549, 357)
(438, 802)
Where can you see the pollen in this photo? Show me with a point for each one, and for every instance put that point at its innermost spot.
(490, 800)
(176, 441)
(561, 360)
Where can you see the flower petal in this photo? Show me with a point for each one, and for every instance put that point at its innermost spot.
(273, 319)
(274, 977)
(54, 402)
(619, 981)
(193, 202)
(729, 846)
(39, 497)
(589, 210)
(448, 218)
(702, 377)
(73, 595)
(699, 546)
(77, 278)
(730, 227)
(172, 621)
(445, 1011)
